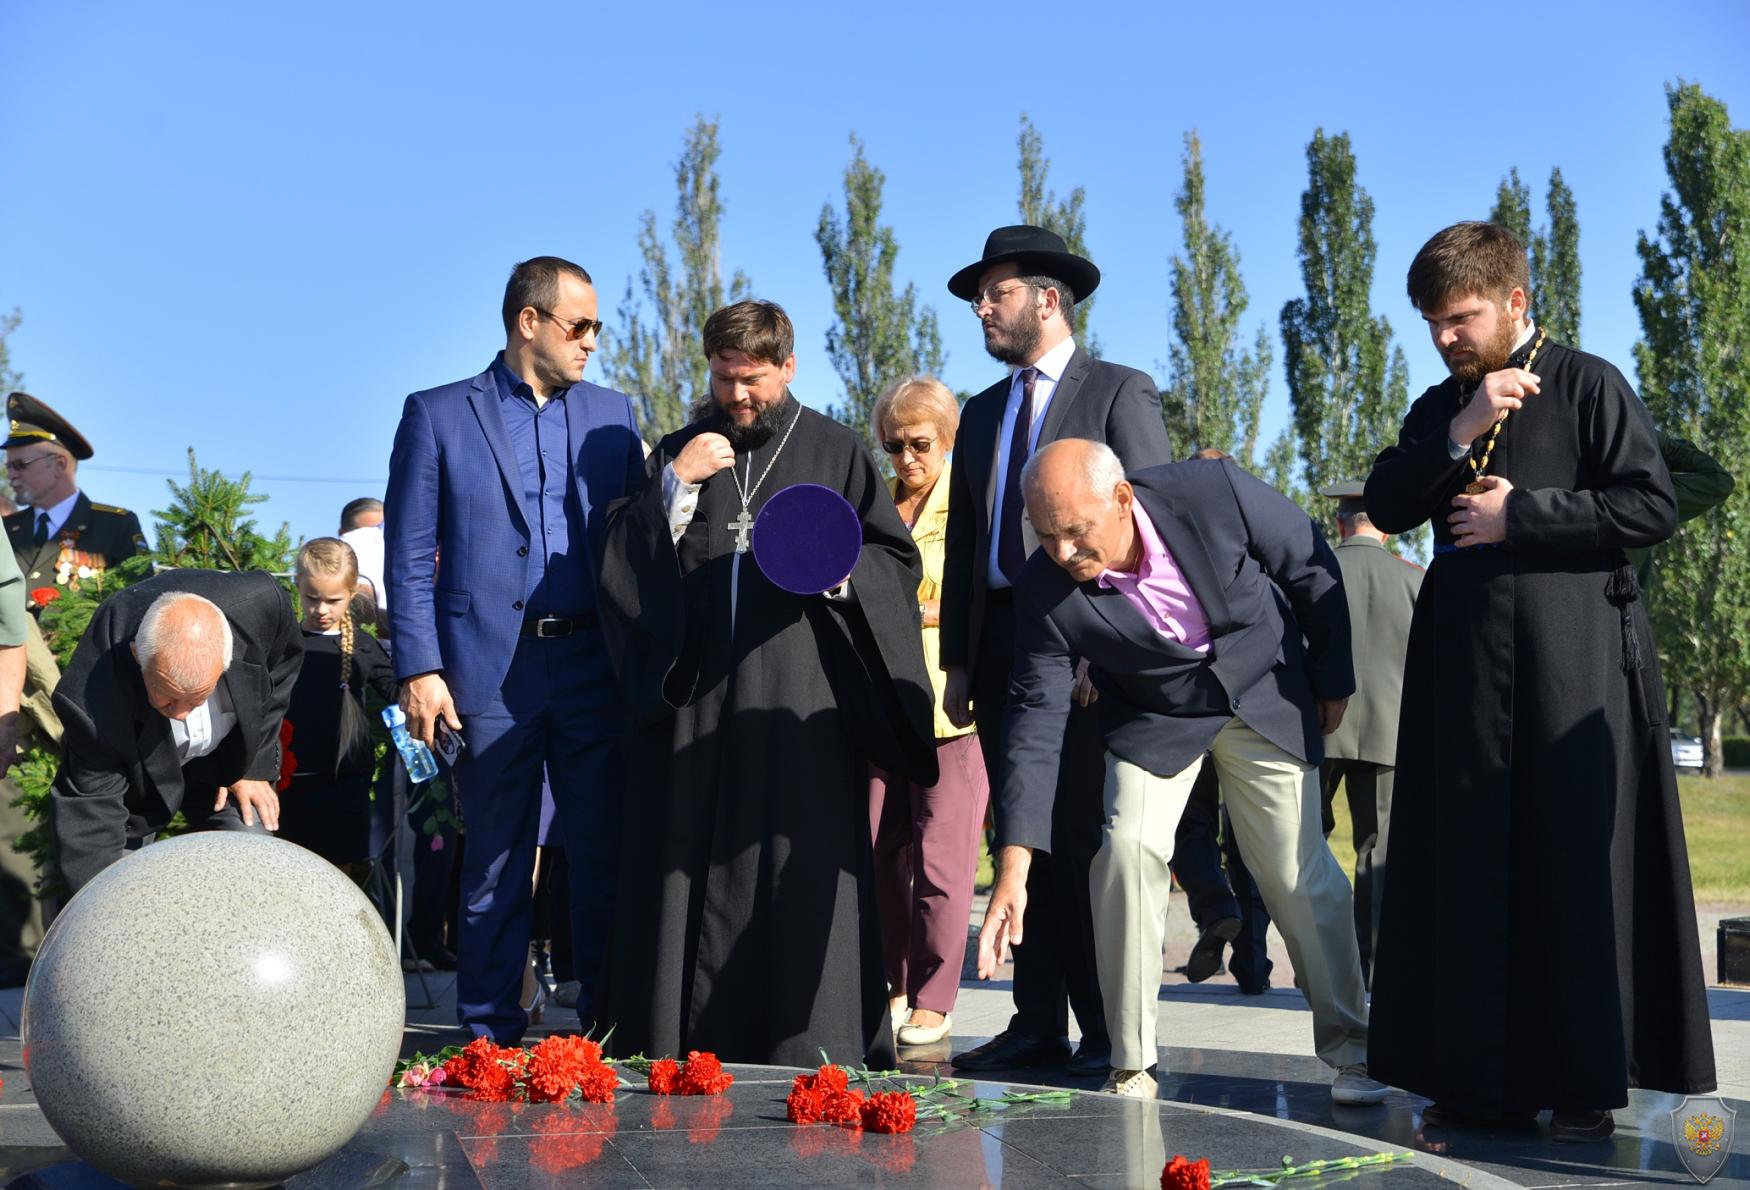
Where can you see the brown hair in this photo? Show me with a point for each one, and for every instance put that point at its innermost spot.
(920, 398)
(330, 556)
(1470, 259)
(535, 282)
(758, 329)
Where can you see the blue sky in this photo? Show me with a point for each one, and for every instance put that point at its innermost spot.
(253, 228)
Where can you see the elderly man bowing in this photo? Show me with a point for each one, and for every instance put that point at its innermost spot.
(1188, 590)
(173, 701)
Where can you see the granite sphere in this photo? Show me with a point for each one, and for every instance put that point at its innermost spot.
(220, 1009)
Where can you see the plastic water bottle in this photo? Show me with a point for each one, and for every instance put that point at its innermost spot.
(421, 764)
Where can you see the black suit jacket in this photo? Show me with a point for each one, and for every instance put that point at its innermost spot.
(1265, 578)
(95, 535)
(119, 773)
(1097, 400)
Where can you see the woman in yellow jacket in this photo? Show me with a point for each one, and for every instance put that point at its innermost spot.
(926, 839)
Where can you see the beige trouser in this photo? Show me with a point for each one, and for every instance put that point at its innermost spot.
(1273, 800)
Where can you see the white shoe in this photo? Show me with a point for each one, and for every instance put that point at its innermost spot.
(1133, 1084)
(1353, 1088)
(910, 1034)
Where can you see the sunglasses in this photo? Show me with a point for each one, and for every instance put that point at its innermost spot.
(917, 446)
(574, 330)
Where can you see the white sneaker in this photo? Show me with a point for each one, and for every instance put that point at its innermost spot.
(1133, 1084)
(1353, 1088)
(910, 1034)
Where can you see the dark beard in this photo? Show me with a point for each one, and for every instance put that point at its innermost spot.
(1022, 343)
(1490, 357)
(758, 432)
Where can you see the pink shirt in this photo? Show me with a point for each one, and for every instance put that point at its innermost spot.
(1159, 591)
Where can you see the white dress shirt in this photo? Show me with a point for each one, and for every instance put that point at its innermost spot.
(1051, 367)
(205, 726)
(58, 514)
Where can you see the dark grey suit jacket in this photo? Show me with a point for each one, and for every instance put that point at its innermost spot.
(120, 775)
(1265, 578)
(1098, 400)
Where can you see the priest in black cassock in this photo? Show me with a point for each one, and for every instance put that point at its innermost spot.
(746, 915)
(1538, 947)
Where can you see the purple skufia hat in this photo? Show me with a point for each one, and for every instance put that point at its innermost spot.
(807, 539)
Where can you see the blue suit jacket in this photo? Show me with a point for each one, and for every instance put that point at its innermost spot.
(1279, 627)
(455, 491)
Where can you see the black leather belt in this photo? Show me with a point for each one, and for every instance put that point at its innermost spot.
(548, 627)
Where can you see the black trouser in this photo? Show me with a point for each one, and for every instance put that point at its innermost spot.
(1368, 788)
(1054, 967)
(1250, 965)
(1204, 836)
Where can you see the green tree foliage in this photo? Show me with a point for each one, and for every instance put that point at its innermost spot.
(9, 378)
(1693, 359)
(1553, 251)
(879, 336)
(654, 352)
(1216, 391)
(1348, 386)
(1041, 207)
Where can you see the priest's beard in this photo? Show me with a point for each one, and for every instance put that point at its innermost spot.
(755, 433)
(1469, 367)
(1017, 343)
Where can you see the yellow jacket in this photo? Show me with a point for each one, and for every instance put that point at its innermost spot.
(931, 536)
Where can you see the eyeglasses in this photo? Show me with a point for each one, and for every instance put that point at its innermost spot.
(574, 330)
(15, 466)
(917, 446)
(992, 295)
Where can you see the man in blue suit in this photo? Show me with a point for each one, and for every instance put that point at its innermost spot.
(498, 489)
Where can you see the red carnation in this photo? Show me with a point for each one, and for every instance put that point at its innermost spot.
(598, 1083)
(288, 758)
(43, 596)
(843, 1107)
(890, 1111)
(805, 1105)
(665, 1076)
(704, 1075)
(831, 1078)
(1181, 1174)
(493, 1083)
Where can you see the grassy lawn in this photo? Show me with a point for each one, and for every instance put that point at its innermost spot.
(1716, 821)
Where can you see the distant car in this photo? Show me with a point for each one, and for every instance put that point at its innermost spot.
(1687, 754)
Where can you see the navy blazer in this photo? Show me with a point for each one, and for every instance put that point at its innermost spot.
(455, 491)
(1096, 399)
(1265, 578)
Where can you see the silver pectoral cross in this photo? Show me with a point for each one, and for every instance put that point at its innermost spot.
(741, 525)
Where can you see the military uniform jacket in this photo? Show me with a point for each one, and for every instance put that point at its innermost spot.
(1381, 589)
(95, 537)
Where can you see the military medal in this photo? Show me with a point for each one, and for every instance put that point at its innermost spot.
(1478, 470)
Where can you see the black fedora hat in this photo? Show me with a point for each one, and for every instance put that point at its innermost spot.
(1037, 251)
(29, 420)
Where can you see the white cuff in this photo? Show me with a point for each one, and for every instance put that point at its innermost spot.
(1454, 450)
(681, 500)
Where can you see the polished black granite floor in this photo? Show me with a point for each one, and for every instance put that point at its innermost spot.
(1241, 1111)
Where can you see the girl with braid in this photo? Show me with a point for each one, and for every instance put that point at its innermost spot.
(325, 799)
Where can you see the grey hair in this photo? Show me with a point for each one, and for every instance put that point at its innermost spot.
(1102, 471)
(184, 658)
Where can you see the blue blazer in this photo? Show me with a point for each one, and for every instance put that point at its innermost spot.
(455, 492)
(1279, 626)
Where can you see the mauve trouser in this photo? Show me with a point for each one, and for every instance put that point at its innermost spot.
(926, 857)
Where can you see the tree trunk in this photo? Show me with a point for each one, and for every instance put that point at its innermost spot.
(1708, 712)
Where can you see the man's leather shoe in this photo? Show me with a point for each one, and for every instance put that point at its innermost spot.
(1205, 957)
(1009, 1050)
(1091, 1057)
(1578, 1127)
(1438, 1116)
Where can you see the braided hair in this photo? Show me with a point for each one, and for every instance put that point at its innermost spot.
(331, 557)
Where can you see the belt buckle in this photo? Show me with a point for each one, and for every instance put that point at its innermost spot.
(561, 627)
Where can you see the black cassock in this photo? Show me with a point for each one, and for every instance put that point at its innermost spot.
(1538, 946)
(746, 917)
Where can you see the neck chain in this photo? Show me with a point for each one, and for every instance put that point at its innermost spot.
(1480, 469)
(744, 522)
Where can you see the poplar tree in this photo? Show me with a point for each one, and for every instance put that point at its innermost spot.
(1348, 387)
(1216, 391)
(1693, 360)
(879, 337)
(654, 351)
(1553, 252)
(1041, 207)
(9, 378)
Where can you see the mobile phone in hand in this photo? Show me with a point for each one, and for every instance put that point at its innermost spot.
(448, 743)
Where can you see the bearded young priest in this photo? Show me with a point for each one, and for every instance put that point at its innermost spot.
(747, 925)
(1538, 947)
